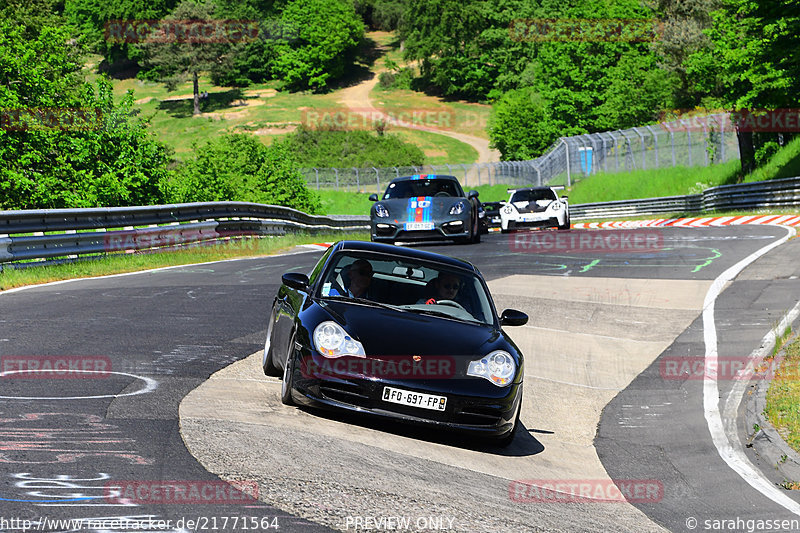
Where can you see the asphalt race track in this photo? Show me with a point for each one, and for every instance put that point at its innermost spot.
(603, 409)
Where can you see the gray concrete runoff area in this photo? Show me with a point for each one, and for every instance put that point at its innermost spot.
(638, 323)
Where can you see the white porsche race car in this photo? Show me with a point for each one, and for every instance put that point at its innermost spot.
(534, 207)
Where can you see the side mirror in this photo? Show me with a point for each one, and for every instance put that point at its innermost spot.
(296, 280)
(565, 198)
(373, 197)
(512, 317)
(472, 194)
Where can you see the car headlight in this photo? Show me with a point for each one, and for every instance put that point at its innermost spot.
(332, 341)
(458, 208)
(556, 206)
(498, 367)
(381, 211)
(508, 209)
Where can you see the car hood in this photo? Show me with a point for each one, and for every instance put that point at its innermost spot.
(386, 332)
(421, 208)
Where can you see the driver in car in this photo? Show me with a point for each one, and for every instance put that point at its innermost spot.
(445, 287)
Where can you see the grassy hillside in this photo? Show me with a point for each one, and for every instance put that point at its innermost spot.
(618, 186)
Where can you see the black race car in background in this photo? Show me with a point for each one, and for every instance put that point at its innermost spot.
(425, 207)
(491, 215)
(399, 333)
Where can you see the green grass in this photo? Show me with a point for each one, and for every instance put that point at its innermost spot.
(121, 263)
(438, 149)
(784, 164)
(263, 110)
(681, 180)
(345, 202)
(783, 397)
(651, 183)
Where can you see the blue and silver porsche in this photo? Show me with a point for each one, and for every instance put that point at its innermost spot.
(425, 207)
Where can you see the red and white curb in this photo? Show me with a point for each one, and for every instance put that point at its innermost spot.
(700, 222)
(317, 246)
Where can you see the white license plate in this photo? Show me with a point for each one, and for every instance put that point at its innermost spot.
(413, 226)
(414, 399)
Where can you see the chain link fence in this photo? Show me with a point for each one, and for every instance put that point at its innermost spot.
(698, 141)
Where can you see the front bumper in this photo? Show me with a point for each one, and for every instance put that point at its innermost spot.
(534, 220)
(390, 231)
(483, 415)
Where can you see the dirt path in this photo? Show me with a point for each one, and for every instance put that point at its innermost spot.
(358, 99)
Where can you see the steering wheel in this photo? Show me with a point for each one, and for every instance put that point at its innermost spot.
(441, 193)
(451, 303)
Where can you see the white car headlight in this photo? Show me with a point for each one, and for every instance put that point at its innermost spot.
(332, 341)
(498, 367)
(457, 208)
(381, 210)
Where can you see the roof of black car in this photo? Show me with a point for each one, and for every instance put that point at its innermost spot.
(402, 251)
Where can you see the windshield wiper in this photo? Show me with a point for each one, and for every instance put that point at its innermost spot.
(434, 312)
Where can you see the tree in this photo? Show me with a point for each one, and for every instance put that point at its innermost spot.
(186, 51)
(522, 125)
(64, 142)
(239, 168)
(326, 36)
(752, 61)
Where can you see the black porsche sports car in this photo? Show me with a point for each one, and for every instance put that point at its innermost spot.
(399, 333)
(425, 207)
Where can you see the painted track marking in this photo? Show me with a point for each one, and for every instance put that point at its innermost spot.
(733, 455)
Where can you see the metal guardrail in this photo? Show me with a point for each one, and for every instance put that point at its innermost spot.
(51, 233)
(761, 194)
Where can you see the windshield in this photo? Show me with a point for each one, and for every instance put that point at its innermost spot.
(408, 285)
(533, 195)
(423, 187)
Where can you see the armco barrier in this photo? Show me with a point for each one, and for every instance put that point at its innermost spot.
(779, 193)
(51, 233)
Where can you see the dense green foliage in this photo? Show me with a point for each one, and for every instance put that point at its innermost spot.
(328, 32)
(65, 143)
(351, 148)
(715, 53)
(239, 168)
(381, 14)
(304, 43)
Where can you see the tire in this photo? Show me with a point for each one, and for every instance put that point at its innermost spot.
(476, 237)
(269, 365)
(566, 225)
(288, 376)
